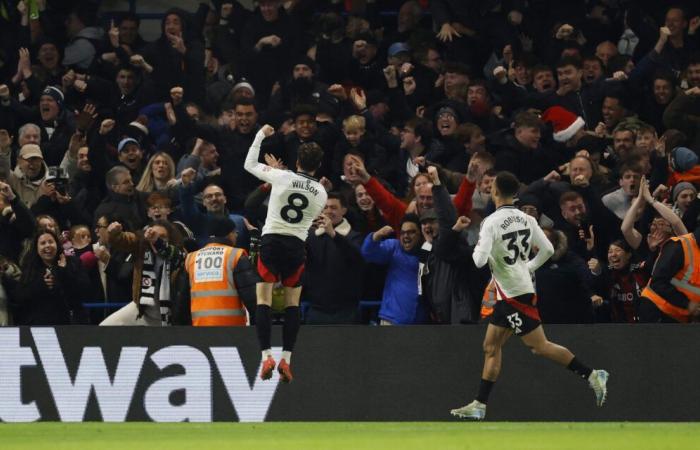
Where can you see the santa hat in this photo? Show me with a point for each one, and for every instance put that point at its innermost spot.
(565, 123)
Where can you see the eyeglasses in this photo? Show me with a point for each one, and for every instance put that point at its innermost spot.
(410, 232)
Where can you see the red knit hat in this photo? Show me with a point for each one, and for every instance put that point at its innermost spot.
(565, 123)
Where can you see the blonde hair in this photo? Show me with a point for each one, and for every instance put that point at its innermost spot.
(147, 183)
(354, 123)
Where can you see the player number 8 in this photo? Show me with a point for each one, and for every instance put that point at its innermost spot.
(297, 203)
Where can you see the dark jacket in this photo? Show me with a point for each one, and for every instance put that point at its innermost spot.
(563, 288)
(130, 209)
(334, 269)
(33, 303)
(13, 232)
(171, 68)
(449, 284)
(527, 164)
(683, 114)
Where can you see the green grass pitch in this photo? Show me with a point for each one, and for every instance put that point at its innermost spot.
(353, 435)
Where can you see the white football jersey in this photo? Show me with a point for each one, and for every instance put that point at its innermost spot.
(295, 200)
(505, 241)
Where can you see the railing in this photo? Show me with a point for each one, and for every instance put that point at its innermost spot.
(366, 309)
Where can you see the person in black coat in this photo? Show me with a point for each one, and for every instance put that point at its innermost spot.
(16, 223)
(270, 40)
(177, 59)
(51, 287)
(334, 267)
(450, 283)
(564, 285)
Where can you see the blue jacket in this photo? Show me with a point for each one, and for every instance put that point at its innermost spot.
(400, 304)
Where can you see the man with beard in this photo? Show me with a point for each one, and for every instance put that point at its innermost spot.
(301, 88)
(57, 124)
(214, 202)
(400, 305)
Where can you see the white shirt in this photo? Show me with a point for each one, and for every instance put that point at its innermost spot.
(505, 241)
(295, 201)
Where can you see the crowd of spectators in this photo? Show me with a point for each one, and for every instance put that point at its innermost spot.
(113, 148)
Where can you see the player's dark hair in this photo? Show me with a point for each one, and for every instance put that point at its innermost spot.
(507, 184)
(335, 195)
(309, 156)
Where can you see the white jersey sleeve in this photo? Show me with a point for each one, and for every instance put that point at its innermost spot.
(259, 170)
(512, 234)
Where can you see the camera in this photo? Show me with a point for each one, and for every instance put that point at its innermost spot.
(59, 178)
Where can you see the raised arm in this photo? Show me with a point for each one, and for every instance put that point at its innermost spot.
(631, 235)
(251, 164)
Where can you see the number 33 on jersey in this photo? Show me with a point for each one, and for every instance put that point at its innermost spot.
(506, 239)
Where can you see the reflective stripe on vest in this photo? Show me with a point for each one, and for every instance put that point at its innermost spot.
(686, 280)
(676, 313)
(217, 312)
(214, 298)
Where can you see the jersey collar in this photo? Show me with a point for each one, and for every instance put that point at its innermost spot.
(307, 176)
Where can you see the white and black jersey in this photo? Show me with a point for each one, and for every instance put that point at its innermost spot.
(506, 239)
(296, 199)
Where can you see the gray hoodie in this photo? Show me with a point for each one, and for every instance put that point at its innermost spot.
(81, 50)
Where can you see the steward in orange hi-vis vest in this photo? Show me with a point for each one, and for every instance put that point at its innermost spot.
(674, 287)
(222, 279)
(215, 300)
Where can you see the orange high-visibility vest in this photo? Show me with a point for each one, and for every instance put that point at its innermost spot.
(686, 281)
(215, 300)
(488, 301)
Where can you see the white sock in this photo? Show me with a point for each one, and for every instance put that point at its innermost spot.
(287, 356)
(266, 354)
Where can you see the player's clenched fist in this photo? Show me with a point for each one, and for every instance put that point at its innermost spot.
(382, 233)
(267, 130)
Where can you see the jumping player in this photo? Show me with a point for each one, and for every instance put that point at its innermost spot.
(296, 200)
(505, 241)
